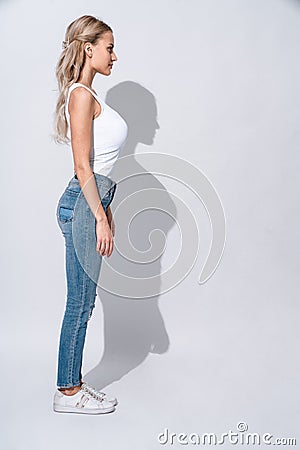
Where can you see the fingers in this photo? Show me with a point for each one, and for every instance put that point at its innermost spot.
(105, 246)
(105, 238)
(111, 245)
(102, 247)
(98, 245)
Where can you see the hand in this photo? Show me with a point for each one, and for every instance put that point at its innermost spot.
(105, 241)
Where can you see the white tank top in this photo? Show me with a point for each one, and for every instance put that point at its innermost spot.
(109, 133)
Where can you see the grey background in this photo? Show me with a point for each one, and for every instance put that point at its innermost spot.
(225, 79)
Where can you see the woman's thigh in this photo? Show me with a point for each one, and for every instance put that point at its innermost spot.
(78, 226)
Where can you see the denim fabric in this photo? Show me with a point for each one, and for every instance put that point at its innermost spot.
(78, 226)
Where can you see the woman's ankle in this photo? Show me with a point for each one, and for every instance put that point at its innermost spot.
(70, 391)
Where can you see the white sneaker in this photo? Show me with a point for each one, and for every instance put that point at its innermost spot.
(100, 395)
(83, 402)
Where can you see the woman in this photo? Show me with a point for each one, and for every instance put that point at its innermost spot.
(97, 133)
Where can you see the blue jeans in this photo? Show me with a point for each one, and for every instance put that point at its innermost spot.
(78, 226)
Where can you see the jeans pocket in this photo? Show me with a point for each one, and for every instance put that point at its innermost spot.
(66, 206)
(65, 214)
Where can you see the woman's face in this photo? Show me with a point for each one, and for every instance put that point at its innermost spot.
(103, 54)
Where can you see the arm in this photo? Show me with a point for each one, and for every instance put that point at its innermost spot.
(81, 109)
(110, 220)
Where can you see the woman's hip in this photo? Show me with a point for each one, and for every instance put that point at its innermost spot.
(72, 201)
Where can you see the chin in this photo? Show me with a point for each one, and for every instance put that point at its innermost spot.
(104, 72)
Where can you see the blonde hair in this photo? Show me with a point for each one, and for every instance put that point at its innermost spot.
(84, 29)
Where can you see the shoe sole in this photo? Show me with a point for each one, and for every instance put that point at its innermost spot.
(70, 409)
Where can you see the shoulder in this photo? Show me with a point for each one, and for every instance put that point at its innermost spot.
(79, 93)
(80, 99)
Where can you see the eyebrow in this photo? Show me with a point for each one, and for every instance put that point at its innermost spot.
(111, 44)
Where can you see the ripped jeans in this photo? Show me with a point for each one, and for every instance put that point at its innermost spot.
(78, 226)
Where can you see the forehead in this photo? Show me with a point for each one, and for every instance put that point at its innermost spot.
(107, 38)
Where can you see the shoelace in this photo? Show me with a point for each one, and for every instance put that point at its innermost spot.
(85, 397)
(96, 394)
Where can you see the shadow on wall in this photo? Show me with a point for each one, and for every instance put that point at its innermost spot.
(133, 327)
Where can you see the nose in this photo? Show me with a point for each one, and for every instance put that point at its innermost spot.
(115, 57)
